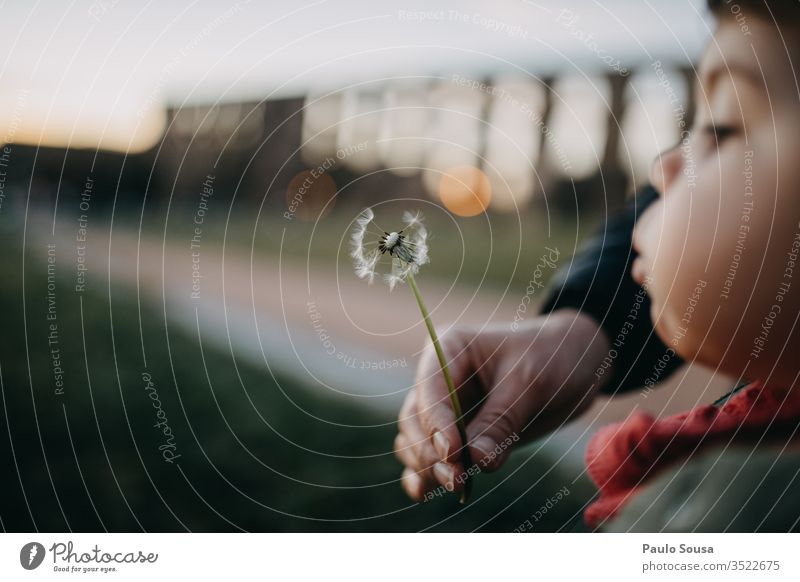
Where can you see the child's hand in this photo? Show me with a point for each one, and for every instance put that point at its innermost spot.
(512, 385)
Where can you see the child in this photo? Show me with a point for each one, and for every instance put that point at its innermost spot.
(718, 254)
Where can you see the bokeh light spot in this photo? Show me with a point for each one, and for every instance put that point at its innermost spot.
(465, 190)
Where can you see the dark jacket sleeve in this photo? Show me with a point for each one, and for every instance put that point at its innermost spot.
(597, 282)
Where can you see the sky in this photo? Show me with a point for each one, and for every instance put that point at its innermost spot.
(73, 71)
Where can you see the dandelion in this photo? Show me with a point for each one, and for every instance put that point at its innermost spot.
(407, 250)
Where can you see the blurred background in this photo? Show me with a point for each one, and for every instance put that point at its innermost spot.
(184, 343)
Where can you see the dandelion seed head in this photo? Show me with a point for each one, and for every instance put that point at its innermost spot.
(406, 248)
(391, 240)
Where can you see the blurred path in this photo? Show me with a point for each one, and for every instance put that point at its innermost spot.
(308, 321)
(321, 326)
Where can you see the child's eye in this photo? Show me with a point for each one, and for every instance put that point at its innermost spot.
(718, 133)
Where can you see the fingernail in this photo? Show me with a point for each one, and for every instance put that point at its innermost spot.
(442, 445)
(444, 473)
(413, 482)
(485, 445)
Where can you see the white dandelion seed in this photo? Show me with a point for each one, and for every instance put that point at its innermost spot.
(399, 272)
(357, 238)
(412, 218)
(391, 280)
(365, 268)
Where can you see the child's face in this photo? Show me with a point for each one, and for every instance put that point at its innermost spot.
(718, 249)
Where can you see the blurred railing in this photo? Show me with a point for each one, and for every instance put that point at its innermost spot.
(572, 143)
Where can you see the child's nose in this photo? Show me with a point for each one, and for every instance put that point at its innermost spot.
(665, 168)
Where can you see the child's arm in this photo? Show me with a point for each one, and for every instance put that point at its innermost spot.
(598, 283)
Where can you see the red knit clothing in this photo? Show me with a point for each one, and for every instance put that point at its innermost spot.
(621, 457)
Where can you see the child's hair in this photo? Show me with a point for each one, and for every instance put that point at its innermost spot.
(771, 10)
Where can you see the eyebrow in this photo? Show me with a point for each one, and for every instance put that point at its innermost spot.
(709, 78)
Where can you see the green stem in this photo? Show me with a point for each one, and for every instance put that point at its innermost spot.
(462, 432)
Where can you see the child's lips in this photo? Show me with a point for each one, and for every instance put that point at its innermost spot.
(639, 270)
(639, 266)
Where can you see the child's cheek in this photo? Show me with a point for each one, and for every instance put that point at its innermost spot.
(721, 260)
(685, 279)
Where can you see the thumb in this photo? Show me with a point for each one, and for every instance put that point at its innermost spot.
(493, 433)
(436, 414)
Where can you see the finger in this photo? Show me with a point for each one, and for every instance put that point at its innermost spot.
(405, 453)
(496, 428)
(416, 452)
(401, 449)
(412, 485)
(436, 415)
